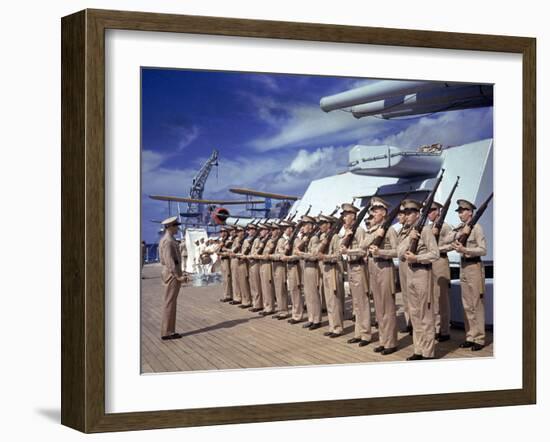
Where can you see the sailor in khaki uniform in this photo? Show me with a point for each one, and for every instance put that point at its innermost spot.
(401, 235)
(472, 276)
(266, 273)
(171, 276)
(357, 276)
(244, 285)
(420, 283)
(254, 271)
(308, 253)
(280, 272)
(441, 273)
(294, 276)
(223, 253)
(235, 249)
(331, 275)
(381, 276)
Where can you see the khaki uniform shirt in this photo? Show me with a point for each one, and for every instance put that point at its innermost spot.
(169, 258)
(427, 250)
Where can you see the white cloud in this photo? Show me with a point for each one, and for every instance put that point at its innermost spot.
(150, 160)
(450, 128)
(187, 135)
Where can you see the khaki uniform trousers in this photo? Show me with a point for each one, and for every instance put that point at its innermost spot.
(281, 292)
(383, 287)
(472, 286)
(419, 287)
(441, 274)
(244, 287)
(403, 268)
(255, 283)
(226, 275)
(168, 323)
(294, 287)
(361, 306)
(333, 297)
(311, 292)
(235, 279)
(268, 296)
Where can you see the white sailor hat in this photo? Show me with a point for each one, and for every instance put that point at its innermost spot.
(172, 221)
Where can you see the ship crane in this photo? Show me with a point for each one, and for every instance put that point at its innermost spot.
(197, 188)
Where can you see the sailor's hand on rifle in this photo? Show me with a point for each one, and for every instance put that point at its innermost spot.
(410, 257)
(435, 231)
(458, 247)
(374, 250)
(413, 234)
(380, 232)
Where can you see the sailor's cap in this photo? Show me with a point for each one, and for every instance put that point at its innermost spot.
(378, 202)
(225, 228)
(308, 219)
(436, 205)
(239, 228)
(172, 221)
(285, 224)
(252, 226)
(327, 219)
(263, 226)
(464, 204)
(347, 207)
(412, 205)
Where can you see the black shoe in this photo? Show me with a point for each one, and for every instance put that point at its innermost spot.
(225, 299)
(328, 334)
(389, 351)
(379, 349)
(172, 336)
(293, 321)
(235, 302)
(280, 318)
(415, 357)
(467, 344)
(266, 313)
(275, 317)
(255, 309)
(245, 306)
(476, 347)
(362, 343)
(442, 338)
(354, 340)
(307, 325)
(315, 326)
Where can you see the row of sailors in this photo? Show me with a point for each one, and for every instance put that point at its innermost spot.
(262, 274)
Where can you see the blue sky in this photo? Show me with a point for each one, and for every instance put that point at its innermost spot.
(269, 130)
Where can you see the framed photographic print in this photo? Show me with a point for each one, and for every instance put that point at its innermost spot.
(268, 221)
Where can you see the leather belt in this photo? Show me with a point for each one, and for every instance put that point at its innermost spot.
(381, 259)
(418, 265)
(356, 261)
(473, 260)
(443, 255)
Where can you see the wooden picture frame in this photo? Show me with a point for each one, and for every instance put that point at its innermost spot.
(83, 219)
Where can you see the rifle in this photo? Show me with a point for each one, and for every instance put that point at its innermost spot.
(346, 242)
(323, 247)
(413, 245)
(463, 238)
(439, 223)
(335, 210)
(388, 222)
(250, 242)
(288, 250)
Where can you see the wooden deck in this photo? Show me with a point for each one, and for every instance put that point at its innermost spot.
(219, 336)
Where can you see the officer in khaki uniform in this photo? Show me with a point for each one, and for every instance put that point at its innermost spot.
(171, 276)
(244, 285)
(357, 277)
(235, 249)
(420, 283)
(401, 235)
(266, 272)
(223, 253)
(280, 272)
(381, 276)
(254, 272)
(308, 253)
(331, 274)
(441, 273)
(472, 276)
(294, 275)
